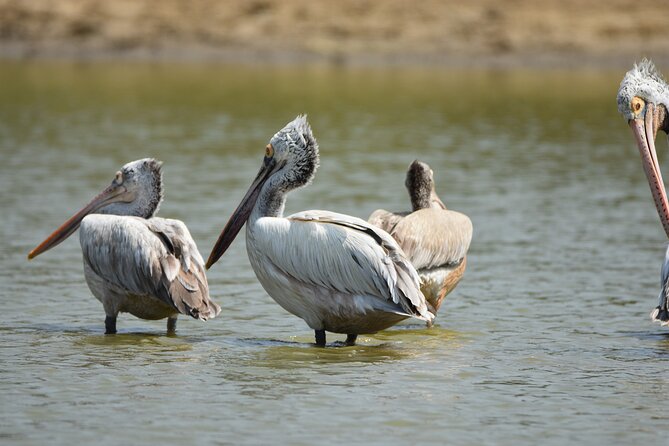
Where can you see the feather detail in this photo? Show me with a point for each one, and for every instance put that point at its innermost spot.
(387, 273)
(148, 257)
(434, 237)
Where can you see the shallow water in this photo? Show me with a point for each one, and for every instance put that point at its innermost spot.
(547, 338)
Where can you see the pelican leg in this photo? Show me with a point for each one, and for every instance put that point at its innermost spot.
(110, 325)
(320, 338)
(172, 324)
(350, 339)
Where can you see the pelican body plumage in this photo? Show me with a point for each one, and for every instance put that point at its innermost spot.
(134, 262)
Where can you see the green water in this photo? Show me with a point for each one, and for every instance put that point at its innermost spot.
(546, 340)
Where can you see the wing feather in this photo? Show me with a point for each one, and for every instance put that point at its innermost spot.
(434, 237)
(386, 220)
(345, 254)
(156, 257)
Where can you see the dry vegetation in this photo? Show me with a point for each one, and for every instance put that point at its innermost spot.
(428, 31)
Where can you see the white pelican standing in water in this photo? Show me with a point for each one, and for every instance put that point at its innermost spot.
(134, 262)
(643, 99)
(337, 272)
(435, 240)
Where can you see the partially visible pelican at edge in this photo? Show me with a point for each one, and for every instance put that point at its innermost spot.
(643, 100)
(337, 272)
(134, 262)
(435, 240)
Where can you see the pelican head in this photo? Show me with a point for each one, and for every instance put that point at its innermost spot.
(136, 190)
(420, 185)
(643, 99)
(291, 160)
(641, 85)
(293, 151)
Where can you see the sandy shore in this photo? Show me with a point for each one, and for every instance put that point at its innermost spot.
(463, 33)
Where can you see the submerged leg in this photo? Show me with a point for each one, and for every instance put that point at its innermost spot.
(110, 325)
(320, 338)
(172, 324)
(350, 339)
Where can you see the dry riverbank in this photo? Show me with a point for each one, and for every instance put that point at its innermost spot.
(472, 33)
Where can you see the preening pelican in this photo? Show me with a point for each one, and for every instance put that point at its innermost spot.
(134, 262)
(337, 272)
(435, 240)
(643, 99)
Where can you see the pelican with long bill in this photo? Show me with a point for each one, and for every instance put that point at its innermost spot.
(134, 262)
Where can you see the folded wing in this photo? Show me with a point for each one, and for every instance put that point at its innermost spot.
(156, 257)
(434, 237)
(386, 220)
(345, 254)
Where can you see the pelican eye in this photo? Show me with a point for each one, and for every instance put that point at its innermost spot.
(637, 105)
(118, 178)
(269, 151)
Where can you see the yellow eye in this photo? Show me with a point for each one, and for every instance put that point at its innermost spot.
(269, 151)
(118, 179)
(637, 105)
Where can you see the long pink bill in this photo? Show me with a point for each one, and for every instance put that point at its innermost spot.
(109, 195)
(644, 133)
(241, 214)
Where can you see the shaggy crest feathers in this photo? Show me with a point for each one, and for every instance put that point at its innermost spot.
(643, 80)
(298, 131)
(296, 144)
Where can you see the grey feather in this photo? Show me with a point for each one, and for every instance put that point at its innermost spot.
(155, 257)
(400, 280)
(661, 312)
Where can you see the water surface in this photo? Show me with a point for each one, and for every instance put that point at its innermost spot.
(547, 337)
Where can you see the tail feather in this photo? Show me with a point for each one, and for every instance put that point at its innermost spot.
(190, 295)
(661, 315)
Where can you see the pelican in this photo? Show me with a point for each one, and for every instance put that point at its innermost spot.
(134, 262)
(337, 272)
(643, 99)
(435, 239)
